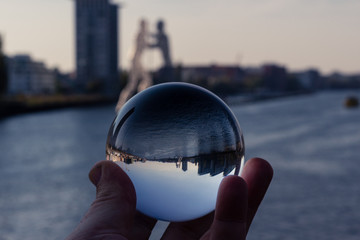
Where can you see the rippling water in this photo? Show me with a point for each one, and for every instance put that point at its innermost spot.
(312, 142)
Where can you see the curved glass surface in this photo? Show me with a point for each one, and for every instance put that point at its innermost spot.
(176, 141)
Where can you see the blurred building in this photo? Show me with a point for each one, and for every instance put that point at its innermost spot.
(26, 76)
(65, 82)
(97, 45)
(212, 73)
(3, 70)
(310, 79)
(337, 80)
(275, 77)
(220, 79)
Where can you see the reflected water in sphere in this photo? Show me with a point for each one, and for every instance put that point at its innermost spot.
(176, 142)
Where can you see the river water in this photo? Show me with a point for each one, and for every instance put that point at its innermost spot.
(312, 141)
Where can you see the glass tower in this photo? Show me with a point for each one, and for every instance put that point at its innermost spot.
(97, 45)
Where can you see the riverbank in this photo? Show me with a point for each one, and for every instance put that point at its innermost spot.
(10, 106)
(261, 96)
(25, 104)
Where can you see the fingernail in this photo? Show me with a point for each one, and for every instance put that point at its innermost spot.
(95, 174)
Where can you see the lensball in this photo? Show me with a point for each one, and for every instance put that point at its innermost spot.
(176, 142)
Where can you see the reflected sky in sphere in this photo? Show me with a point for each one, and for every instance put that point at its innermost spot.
(176, 141)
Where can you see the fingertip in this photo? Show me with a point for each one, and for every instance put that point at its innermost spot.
(259, 165)
(108, 177)
(259, 161)
(95, 173)
(106, 170)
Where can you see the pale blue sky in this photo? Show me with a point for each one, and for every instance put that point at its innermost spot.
(296, 33)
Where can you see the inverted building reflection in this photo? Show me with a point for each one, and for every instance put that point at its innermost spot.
(212, 164)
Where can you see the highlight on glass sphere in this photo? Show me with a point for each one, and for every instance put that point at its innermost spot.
(176, 142)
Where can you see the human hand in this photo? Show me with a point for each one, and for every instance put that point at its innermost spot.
(113, 214)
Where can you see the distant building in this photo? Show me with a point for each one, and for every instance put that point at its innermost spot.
(337, 80)
(97, 44)
(65, 82)
(212, 73)
(26, 76)
(221, 79)
(3, 70)
(310, 79)
(275, 77)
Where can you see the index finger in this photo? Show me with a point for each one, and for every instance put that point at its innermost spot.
(258, 174)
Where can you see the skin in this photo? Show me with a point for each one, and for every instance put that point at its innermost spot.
(113, 215)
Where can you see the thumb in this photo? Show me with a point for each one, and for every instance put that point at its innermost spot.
(112, 213)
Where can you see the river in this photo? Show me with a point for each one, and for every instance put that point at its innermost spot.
(312, 141)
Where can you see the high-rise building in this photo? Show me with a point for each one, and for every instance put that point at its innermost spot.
(97, 45)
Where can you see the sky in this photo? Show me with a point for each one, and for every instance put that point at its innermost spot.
(297, 34)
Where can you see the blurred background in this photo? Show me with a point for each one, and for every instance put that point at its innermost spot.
(289, 70)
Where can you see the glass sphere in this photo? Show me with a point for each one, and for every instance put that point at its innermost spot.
(176, 142)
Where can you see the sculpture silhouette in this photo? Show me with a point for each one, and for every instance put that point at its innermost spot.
(162, 42)
(139, 79)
